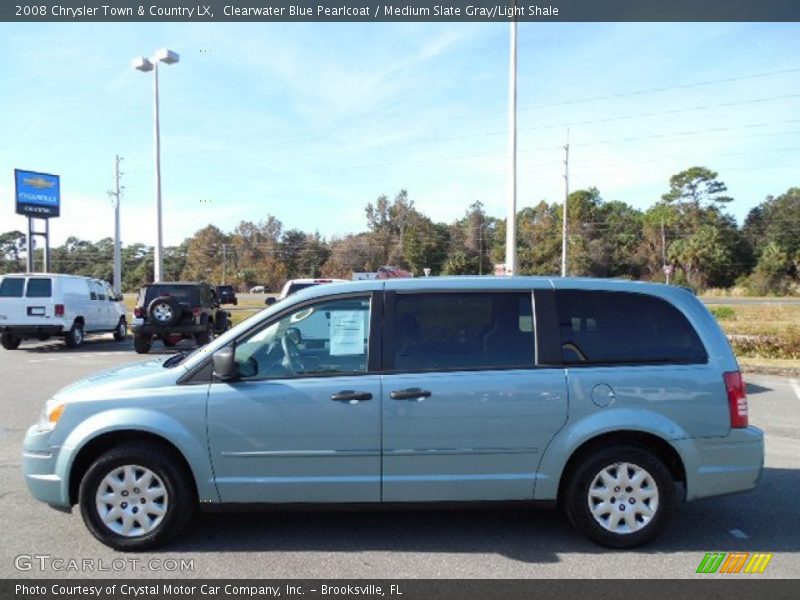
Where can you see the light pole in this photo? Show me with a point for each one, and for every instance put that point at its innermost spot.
(145, 65)
(511, 218)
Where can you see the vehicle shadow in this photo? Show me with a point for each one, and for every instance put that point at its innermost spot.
(102, 344)
(92, 343)
(532, 536)
(753, 389)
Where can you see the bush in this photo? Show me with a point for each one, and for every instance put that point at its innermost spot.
(723, 313)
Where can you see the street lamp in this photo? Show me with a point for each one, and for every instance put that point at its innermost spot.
(146, 65)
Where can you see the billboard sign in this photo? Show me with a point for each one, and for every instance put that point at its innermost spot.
(38, 194)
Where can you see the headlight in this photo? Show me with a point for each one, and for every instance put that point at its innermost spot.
(51, 413)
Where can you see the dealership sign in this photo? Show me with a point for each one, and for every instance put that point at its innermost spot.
(38, 194)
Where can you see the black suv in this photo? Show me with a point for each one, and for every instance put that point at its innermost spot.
(227, 295)
(176, 310)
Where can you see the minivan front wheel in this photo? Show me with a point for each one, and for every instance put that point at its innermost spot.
(134, 497)
(620, 496)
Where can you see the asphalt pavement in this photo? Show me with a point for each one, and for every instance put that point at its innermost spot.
(38, 542)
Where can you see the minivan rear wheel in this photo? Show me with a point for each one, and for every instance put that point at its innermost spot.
(135, 497)
(620, 496)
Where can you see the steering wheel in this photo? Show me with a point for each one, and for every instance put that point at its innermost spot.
(292, 358)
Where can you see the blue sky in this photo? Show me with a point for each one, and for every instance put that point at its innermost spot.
(309, 122)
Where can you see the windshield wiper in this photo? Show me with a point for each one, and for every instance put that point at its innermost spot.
(176, 359)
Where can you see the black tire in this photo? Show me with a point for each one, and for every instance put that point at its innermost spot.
(203, 338)
(164, 311)
(142, 343)
(222, 323)
(634, 499)
(121, 331)
(178, 499)
(10, 342)
(74, 337)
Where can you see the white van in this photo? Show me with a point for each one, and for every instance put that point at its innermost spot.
(41, 305)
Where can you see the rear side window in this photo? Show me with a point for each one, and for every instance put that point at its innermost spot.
(11, 287)
(39, 288)
(188, 294)
(624, 328)
(463, 331)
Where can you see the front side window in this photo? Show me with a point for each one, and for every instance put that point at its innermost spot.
(618, 327)
(11, 287)
(451, 331)
(97, 291)
(327, 338)
(39, 288)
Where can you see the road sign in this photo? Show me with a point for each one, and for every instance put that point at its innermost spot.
(38, 195)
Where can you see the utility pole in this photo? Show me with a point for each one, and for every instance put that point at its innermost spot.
(224, 262)
(667, 268)
(480, 249)
(566, 202)
(511, 217)
(115, 198)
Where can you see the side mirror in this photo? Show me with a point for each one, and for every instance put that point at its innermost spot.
(270, 301)
(224, 361)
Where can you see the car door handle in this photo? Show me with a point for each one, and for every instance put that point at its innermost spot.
(410, 394)
(351, 396)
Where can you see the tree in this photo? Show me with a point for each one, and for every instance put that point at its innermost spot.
(204, 255)
(12, 244)
(695, 187)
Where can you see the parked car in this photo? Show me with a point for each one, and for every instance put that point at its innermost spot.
(227, 295)
(41, 305)
(174, 311)
(615, 400)
(295, 285)
(258, 289)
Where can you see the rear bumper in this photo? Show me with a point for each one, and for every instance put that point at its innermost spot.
(718, 466)
(26, 331)
(184, 328)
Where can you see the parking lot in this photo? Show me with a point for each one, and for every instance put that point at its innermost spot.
(485, 543)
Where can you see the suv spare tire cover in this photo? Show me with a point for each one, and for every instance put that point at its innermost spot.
(173, 304)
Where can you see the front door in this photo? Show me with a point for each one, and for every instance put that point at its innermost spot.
(302, 424)
(466, 415)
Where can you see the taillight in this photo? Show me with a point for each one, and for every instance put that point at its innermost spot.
(737, 399)
(138, 312)
(59, 310)
(196, 312)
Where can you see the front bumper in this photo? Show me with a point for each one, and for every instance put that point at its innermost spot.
(718, 466)
(39, 469)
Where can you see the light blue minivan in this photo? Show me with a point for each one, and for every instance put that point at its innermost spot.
(613, 399)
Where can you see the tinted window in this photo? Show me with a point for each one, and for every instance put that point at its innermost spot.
(184, 293)
(39, 288)
(463, 331)
(11, 287)
(98, 291)
(618, 327)
(296, 287)
(328, 338)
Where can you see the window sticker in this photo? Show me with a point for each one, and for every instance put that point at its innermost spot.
(347, 332)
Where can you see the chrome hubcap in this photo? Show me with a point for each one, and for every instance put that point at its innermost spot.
(132, 500)
(78, 335)
(623, 498)
(162, 312)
